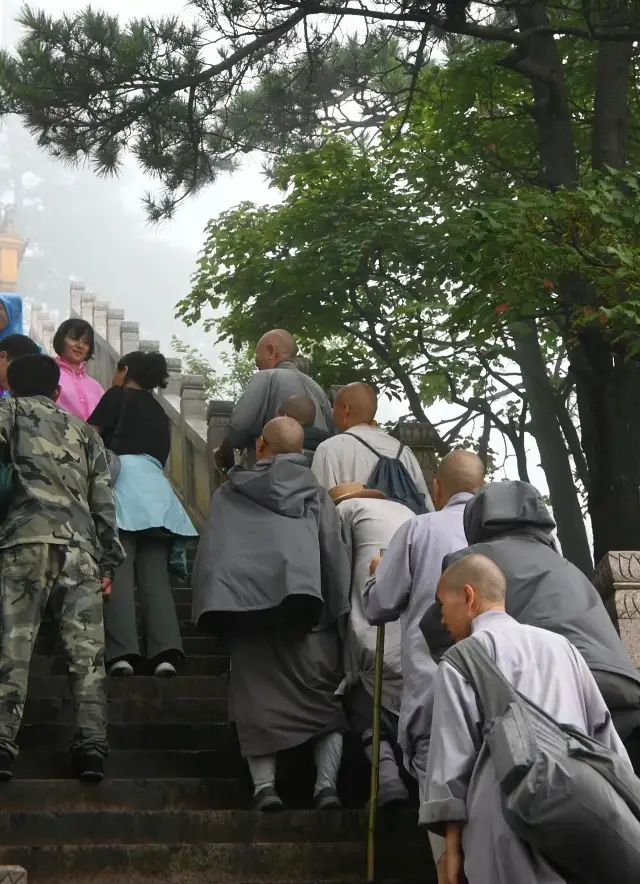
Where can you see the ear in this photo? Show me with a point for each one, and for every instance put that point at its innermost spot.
(260, 446)
(469, 595)
(56, 393)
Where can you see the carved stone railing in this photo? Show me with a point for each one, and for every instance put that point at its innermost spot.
(196, 428)
(618, 582)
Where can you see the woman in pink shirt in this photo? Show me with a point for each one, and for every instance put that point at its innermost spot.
(74, 344)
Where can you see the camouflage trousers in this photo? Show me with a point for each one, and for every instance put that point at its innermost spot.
(30, 576)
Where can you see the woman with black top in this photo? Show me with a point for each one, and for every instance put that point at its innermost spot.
(152, 522)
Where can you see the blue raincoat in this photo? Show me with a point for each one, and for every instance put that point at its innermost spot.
(13, 305)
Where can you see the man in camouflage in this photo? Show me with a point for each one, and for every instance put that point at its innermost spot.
(58, 542)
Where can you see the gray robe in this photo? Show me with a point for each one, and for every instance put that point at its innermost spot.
(461, 784)
(265, 393)
(403, 587)
(270, 566)
(367, 527)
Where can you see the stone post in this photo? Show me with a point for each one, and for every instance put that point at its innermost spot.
(129, 337)
(76, 293)
(100, 311)
(41, 318)
(218, 414)
(149, 346)
(617, 579)
(48, 331)
(192, 397)
(174, 385)
(419, 438)
(114, 324)
(87, 307)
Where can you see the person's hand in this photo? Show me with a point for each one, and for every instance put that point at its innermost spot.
(218, 460)
(373, 566)
(106, 583)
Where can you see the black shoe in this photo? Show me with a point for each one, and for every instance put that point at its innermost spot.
(267, 800)
(88, 767)
(6, 766)
(327, 799)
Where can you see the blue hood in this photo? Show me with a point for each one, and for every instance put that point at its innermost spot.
(13, 305)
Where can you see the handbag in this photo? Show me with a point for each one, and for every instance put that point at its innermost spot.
(565, 794)
(113, 459)
(6, 468)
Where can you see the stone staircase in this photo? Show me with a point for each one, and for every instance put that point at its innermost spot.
(174, 806)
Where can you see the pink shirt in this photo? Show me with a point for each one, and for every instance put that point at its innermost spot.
(79, 393)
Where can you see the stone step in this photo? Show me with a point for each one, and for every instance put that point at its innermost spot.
(42, 828)
(217, 736)
(135, 763)
(207, 863)
(133, 710)
(194, 646)
(57, 686)
(64, 795)
(205, 664)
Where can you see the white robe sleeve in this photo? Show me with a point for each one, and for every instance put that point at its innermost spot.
(322, 467)
(601, 726)
(386, 594)
(453, 750)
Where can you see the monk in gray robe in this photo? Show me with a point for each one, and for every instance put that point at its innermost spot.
(463, 798)
(369, 521)
(272, 576)
(353, 455)
(277, 378)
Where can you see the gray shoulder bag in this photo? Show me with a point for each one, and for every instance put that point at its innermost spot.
(563, 793)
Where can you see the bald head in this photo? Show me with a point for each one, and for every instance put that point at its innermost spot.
(275, 347)
(300, 408)
(459, 471)
(282, 435)
(355, 404)
(470, 587)
(478, 572)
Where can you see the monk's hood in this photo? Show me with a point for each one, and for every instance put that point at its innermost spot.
(283, 484)
(503, 508)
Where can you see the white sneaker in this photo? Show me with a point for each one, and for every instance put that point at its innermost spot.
(165, 670)
(121, 669)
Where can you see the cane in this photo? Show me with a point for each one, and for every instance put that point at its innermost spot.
(375, 754)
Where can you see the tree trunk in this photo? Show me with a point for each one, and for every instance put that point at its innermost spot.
(551, 445)
(608, 390)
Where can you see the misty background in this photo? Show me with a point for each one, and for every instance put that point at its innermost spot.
(84, 228)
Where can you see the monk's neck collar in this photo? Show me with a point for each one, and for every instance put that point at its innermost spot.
(483, 620)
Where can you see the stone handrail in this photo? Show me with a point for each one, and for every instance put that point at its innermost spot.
(196, 428)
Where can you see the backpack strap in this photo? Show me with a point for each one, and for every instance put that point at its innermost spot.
(493, 692)
(366, 444)
(372, 449)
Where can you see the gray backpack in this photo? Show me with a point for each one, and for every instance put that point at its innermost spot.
(563, 793)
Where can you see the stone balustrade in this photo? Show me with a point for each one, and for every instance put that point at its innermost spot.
(618, 582)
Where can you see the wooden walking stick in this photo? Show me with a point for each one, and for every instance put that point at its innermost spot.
(375, 754)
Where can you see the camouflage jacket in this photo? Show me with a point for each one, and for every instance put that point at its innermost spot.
(61, 486)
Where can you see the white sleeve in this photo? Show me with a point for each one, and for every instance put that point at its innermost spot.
(322, 467)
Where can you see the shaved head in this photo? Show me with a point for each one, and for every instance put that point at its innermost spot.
(469, 588)
(282, 435)
(355, 404)
(459, 471)
(300, 408)
(478, 572)
(275, 347)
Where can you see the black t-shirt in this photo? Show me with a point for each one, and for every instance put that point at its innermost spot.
(145, 427)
